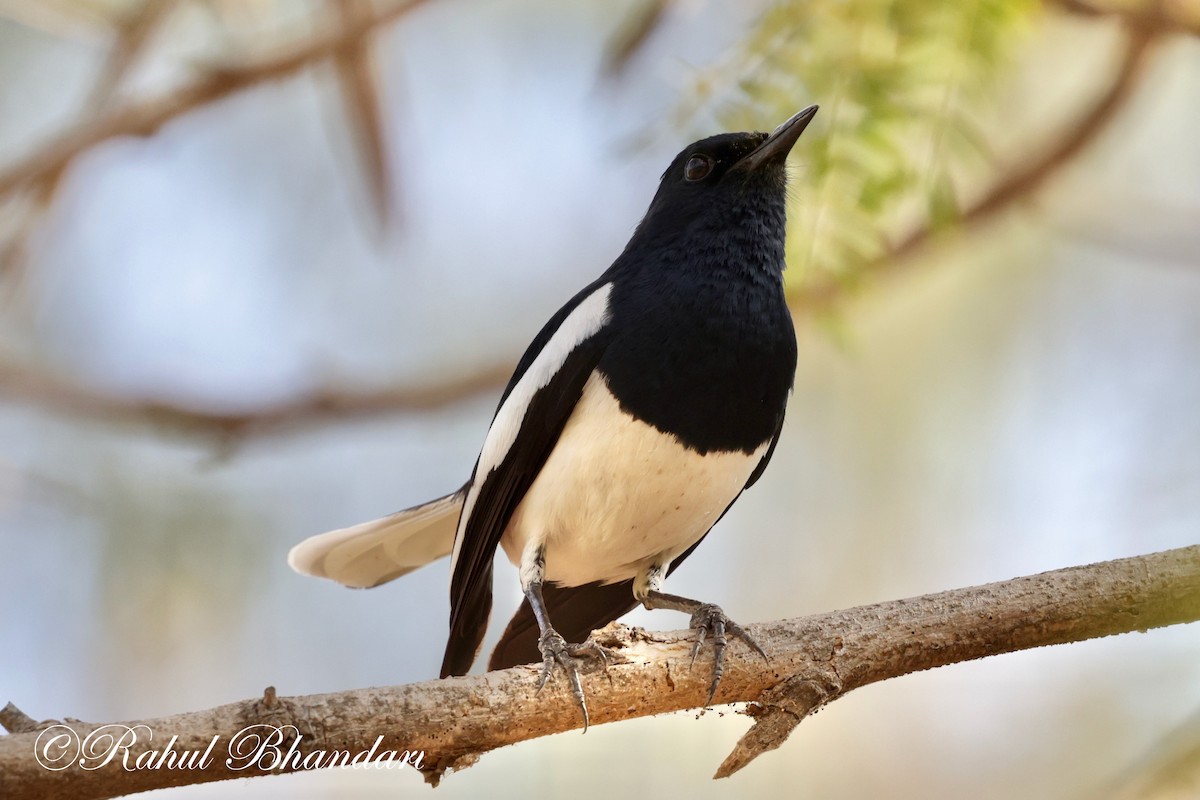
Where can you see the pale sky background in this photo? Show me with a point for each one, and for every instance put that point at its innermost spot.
(1029, 399)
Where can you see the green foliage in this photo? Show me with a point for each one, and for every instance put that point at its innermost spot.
(902, 86)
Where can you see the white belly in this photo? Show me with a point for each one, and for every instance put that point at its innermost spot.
(616, 495)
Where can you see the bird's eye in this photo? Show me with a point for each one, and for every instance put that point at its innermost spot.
(697, 168)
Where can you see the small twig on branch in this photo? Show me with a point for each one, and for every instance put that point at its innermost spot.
(15, 720)
(813, 661)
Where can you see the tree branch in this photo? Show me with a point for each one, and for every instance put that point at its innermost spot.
(814, 660)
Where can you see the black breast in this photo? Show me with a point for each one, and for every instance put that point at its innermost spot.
(707, 357)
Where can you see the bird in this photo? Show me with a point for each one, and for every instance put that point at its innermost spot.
(635, 419)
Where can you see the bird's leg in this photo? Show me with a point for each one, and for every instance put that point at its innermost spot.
(555, 649)
(708, 620)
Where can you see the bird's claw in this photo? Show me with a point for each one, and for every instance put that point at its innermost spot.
(571, 657)
(710, 621)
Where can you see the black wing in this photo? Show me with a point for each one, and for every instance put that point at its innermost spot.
(503, 485)
(577, 611)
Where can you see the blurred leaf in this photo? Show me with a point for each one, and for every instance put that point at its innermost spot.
(179, 565)
(943, 204)
(1170, 771)
(901, 84)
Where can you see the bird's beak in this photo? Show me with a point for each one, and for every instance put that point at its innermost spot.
(780, 142)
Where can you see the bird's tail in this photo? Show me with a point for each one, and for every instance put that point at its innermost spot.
(376, 552)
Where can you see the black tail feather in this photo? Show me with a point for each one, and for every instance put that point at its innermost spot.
(575, 612)
(467, 626)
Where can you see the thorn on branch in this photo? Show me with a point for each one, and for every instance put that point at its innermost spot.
(434, 774)
(14, 720)
(776, 714)
(271, 709)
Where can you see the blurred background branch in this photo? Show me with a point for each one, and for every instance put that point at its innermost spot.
(38, 174)
(360, 92)
(1158, 16)
(49, 393)
(216, 82)
(134, 31)
(22, 385)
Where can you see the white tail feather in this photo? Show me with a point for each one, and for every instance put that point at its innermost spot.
(376, 552)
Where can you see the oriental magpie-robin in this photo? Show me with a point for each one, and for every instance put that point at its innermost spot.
(641, 411)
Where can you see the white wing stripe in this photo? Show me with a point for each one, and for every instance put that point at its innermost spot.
(579, 326)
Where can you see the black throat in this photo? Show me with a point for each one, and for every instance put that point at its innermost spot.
(703, 346)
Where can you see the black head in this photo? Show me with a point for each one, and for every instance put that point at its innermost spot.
(725, 185)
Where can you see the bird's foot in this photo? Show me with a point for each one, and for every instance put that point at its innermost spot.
(710, 622)
(572, 658)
